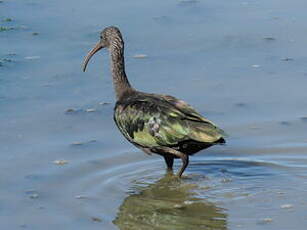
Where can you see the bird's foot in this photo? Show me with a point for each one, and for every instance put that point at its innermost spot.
(169, 172)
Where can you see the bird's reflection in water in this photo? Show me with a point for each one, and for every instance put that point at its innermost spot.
(169, 204)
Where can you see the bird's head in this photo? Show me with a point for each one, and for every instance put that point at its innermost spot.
(109, 37)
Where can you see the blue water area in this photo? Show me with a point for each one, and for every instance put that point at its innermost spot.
(64, 164)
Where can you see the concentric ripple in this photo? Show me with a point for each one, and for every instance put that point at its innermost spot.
(132, 191)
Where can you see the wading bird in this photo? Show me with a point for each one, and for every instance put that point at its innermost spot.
(155, 123)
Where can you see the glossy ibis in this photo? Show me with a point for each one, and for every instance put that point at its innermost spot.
(155, 123)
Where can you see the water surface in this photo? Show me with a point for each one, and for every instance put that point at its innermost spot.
(65, 165)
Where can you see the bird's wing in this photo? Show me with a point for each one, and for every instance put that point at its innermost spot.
(151, 121)
(185, 108)
(196, 120)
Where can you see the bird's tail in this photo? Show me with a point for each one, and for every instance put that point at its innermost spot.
(206, 132)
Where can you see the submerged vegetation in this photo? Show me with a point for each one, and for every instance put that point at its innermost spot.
(4, 60)
(8, 25)
(7, 20)
(6, 28)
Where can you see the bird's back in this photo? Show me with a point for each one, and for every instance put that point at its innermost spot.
(151, 120)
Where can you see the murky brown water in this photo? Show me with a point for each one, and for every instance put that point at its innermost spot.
(64, 165)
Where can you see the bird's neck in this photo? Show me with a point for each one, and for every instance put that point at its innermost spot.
(120, 80)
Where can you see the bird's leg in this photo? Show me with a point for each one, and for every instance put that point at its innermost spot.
(169, 160)
(185, 162)
(182, 156)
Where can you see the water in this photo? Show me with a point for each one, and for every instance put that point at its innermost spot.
(240, 63)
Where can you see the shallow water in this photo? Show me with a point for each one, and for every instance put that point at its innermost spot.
(241, 63)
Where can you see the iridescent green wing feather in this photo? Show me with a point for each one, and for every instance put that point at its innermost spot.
(150, 120)
(192, 114)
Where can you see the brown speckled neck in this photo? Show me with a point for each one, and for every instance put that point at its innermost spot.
(116, 49)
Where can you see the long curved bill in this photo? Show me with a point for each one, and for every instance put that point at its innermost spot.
(98, 47)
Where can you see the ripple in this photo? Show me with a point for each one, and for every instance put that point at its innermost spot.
(114, 185)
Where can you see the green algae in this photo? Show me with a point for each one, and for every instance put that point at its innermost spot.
(6, 28)
(7, 20)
